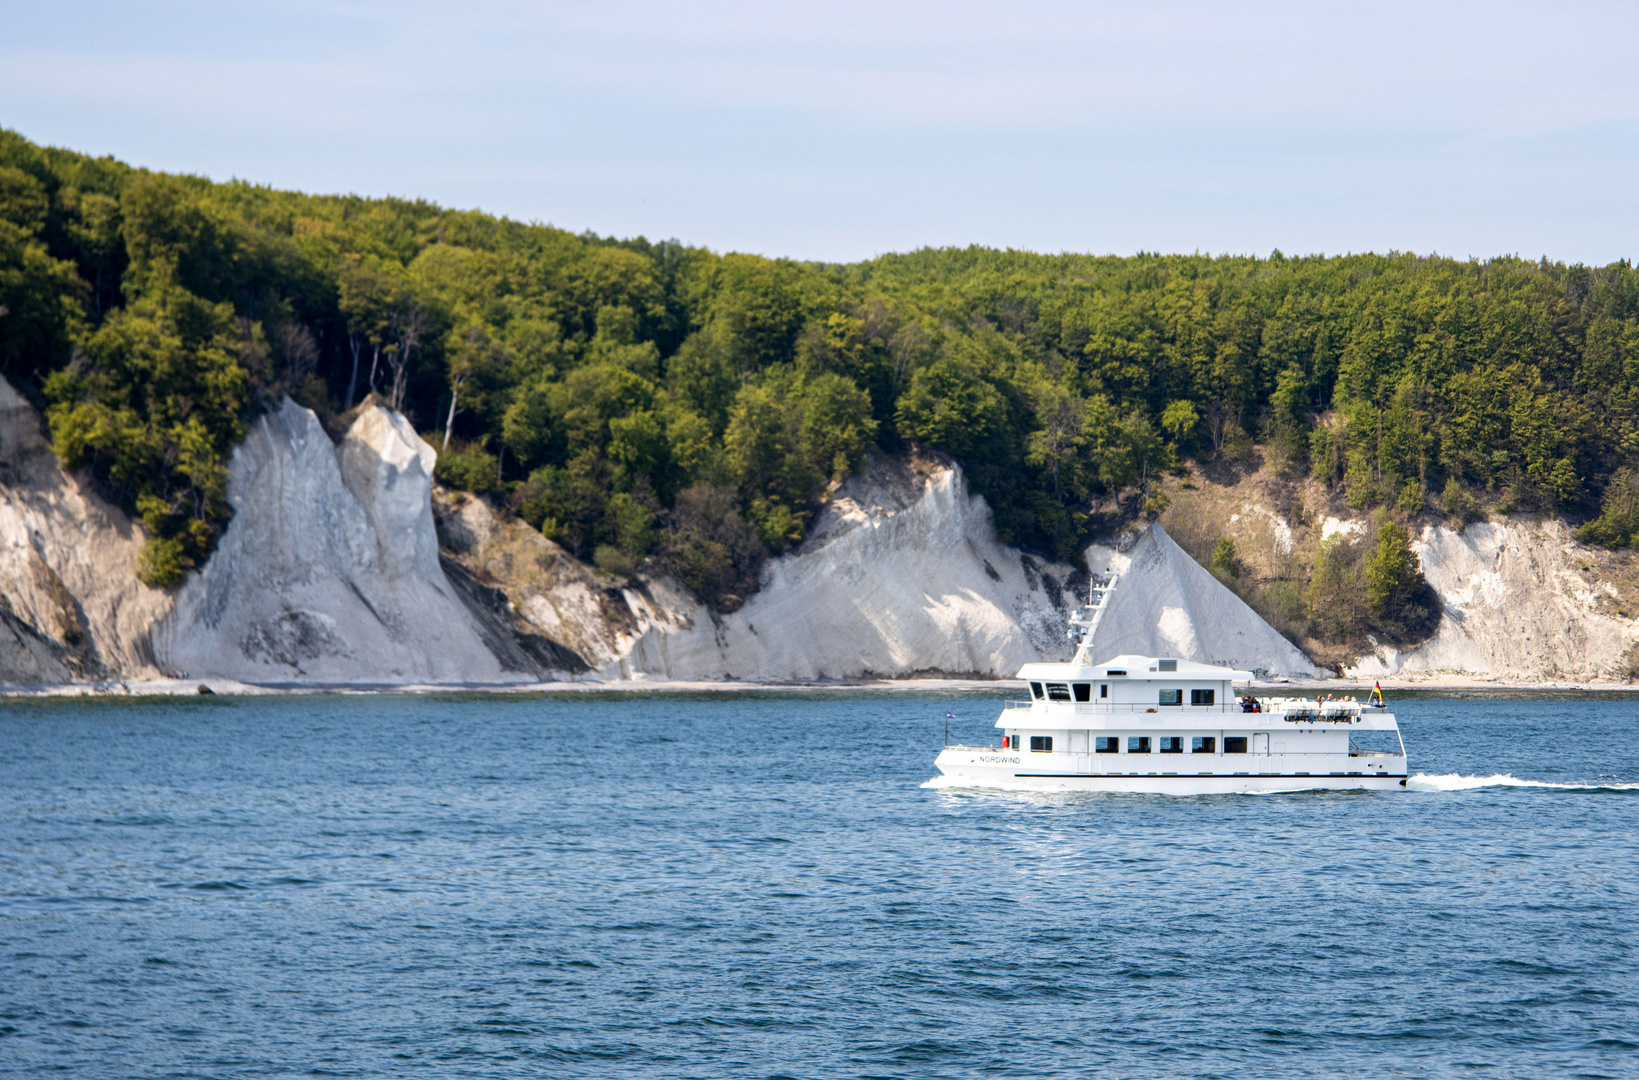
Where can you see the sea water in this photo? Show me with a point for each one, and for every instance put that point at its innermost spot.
(759, 885)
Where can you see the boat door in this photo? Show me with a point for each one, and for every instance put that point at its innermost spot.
(1260, 743)
(1081, 747)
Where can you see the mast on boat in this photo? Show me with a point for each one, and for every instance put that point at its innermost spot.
(1087, 618)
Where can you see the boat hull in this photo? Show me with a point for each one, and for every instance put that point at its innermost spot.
(1010, 771)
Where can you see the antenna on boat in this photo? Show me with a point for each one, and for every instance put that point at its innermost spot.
(1087, 618)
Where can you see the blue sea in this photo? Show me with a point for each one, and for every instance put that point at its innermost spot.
(758, 885)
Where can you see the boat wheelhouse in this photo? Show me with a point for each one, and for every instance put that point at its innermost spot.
(1162, 724)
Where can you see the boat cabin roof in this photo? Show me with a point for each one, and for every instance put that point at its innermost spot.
(1133, 667)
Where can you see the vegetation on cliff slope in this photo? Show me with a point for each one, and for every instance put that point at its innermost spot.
(598, 385)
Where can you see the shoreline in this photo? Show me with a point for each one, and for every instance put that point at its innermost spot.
(190, 687)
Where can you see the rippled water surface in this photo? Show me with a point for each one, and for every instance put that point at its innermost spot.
(757, 885)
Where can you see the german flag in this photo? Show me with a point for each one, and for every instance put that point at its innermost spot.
(1377, 695)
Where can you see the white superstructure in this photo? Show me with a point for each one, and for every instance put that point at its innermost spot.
(1158, 724)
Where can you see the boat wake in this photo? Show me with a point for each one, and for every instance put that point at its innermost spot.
(957, 783)
(1417, 782)
(1458, 782)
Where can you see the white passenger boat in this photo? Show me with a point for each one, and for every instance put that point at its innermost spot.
(1164, 725)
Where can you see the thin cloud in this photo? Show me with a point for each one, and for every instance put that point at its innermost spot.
(835, 130)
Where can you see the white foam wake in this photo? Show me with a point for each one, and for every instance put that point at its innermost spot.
(1458, 782)
(1417, 782)
(943, 782)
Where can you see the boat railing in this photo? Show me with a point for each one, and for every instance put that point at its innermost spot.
(1310, 705)
(1134, 707)
(1292, 711)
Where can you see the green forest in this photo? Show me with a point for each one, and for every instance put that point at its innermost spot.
(636, 399)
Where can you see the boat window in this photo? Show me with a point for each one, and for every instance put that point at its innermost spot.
(1373, 742)
(1138, 744)
(1113, 674)
(1041, 744)
(1169, 665)
(1172, 697)
(1172, 744)
(1057, 691)
(1103, 690)
(1109, 744)
(1234, 744)
(1035, 690)
(1203, 697)
(1203, 744)
(1083, 691)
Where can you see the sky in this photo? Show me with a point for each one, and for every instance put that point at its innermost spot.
(845, 129)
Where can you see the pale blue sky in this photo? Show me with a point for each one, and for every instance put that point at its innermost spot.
(844, 129)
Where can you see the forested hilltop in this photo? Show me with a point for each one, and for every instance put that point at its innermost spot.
(639, 400)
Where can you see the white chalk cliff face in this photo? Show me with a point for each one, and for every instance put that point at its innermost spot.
(1166, 604)
(1517, 604)
(70, 603)
(901, 575)
(328, 571)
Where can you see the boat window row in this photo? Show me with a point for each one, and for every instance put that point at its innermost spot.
(1057, 691)
(1084, 692)
(1140, 744)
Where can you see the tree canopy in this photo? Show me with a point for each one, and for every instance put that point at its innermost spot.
(634, 398)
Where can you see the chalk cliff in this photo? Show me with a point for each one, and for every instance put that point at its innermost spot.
(1166, 604)
(329, 569)
(901, 575)
(342, 564)
(70, 604)
(1521, 601)
(1518, 599)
